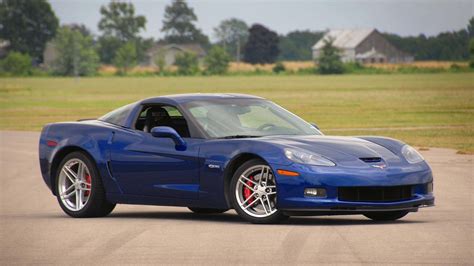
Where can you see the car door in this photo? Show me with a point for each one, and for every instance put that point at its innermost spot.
(149, 166)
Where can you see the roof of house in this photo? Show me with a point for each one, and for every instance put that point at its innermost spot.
(188, 47)
(345, 38)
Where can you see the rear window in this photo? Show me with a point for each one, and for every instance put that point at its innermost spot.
(118, 116)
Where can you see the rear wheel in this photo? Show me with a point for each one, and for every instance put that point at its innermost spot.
(79, 188)
(386, 216)
(207, 210)
(254, 194)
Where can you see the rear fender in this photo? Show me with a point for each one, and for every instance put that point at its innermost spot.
(93, 141)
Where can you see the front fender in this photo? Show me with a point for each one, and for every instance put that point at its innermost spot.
(218, 156)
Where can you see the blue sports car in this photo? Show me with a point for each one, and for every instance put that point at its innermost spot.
(214, 152)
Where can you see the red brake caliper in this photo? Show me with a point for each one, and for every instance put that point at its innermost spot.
(247, 191)
(88, 185)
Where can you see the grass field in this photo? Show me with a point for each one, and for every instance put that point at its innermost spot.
(429, 110)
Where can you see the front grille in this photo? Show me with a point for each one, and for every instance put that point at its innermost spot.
(379, 194)
(371, 159)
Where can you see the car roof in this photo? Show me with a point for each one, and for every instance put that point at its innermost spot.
(183, 98)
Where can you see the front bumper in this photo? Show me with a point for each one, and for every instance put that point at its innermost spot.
(291, 196)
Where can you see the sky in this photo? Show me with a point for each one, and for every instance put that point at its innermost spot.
(403, 17)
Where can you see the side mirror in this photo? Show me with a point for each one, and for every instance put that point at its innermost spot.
(168, 132)
(315, 125)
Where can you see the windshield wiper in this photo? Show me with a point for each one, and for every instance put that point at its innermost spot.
(239, 137)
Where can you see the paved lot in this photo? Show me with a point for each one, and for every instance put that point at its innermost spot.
(35, 230)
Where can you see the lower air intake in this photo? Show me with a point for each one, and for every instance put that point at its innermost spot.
(377, 194)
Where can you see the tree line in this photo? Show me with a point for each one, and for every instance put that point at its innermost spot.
(29, 25)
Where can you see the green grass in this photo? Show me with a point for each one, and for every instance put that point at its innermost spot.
(439, 106)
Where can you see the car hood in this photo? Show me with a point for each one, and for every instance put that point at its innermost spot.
(338, 149)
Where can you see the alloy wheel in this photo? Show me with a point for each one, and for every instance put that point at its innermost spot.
(256, 191)
(74, 184)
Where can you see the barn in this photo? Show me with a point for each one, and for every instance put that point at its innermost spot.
(169, 52)
(363, 46)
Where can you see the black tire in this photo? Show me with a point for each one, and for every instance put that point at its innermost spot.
(386, 216)
(206, 210)
(276, 217)
(97, 205)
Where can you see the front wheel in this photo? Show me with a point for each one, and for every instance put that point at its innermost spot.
(253, 193)
(386, 216)
(79, 188)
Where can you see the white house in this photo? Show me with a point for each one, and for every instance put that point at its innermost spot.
(362, 45)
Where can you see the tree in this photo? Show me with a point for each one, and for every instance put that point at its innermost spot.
(471, 51)
(119, 20)
(217, 61)
(27, 25)
(330, 60)
(470, 28)
(107, 47)
(120, 25)
(187, 63)
(17, 64)
(296, 45)
(262, 45)
(125, 58)
(452, 45)
(76, 53)
(178, 25)
(81, 28)
(232, 34)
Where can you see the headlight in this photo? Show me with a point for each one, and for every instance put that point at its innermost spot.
(299, 156)
(411, 154)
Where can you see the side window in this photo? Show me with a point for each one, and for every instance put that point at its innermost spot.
(162, 115)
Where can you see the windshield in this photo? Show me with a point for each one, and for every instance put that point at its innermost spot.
(246, 118)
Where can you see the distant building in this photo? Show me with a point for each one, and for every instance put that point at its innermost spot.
(50, 54)
(170, 51)
(4, 44)
(363, 46)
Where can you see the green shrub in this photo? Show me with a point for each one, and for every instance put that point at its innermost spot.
(353, 67)
(306, 71)
(187, 63)
(358, 68)
(455, 67)
(160, 63)
(217, 61)
(125, 58)
(16, 64)
(329, 61)
(279, 67)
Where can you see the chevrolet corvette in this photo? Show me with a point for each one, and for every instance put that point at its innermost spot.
(215, 152)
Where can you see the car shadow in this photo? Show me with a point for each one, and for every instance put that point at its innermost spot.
(231, 217)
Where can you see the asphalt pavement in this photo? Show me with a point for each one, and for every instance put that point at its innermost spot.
(34, 230)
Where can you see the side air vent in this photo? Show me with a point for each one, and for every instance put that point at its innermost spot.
(371, 159)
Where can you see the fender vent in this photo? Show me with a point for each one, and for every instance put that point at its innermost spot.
(371, 159)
